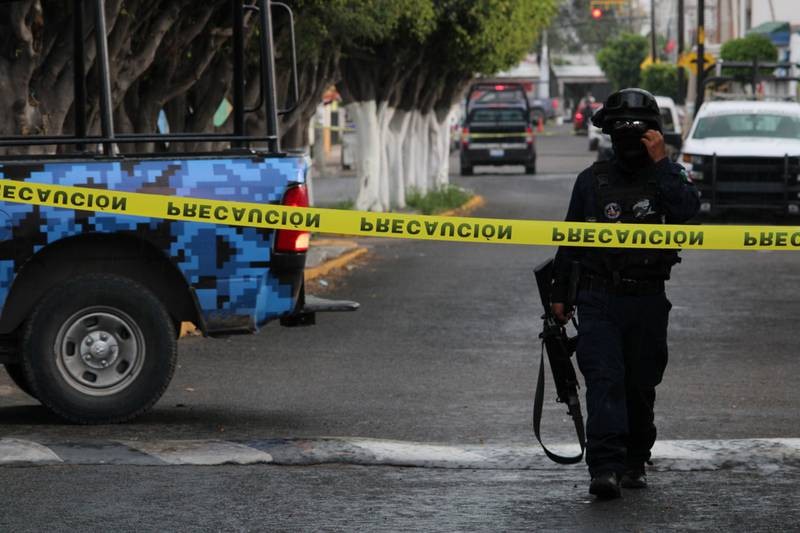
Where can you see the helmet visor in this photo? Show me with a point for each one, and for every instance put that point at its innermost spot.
(638, 127)
(631, 100)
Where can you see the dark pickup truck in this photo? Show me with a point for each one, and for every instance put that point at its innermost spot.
(497, 135)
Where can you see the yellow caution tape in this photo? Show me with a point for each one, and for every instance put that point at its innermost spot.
(335, 128)
(403, 226)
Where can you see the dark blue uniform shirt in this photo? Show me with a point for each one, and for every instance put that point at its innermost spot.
(678, 200)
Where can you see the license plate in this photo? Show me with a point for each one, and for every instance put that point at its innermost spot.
(497, 153)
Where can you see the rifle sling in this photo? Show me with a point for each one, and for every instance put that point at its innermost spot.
(538, 402)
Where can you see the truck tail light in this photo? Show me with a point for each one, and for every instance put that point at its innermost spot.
(465, 136)
(287, 240)
(529, 134)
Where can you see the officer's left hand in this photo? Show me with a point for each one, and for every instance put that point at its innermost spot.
(654, 142)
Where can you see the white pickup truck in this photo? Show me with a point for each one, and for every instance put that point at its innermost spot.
(745, 155)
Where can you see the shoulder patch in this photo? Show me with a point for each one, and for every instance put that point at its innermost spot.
(613, 211)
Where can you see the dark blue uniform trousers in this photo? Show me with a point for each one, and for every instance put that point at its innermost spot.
(622, 354)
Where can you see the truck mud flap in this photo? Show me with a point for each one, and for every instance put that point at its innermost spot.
(306, 316)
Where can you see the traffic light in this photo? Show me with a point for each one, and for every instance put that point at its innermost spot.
(602, 9)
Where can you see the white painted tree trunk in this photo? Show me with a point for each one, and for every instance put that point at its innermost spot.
(368, 154)
(395, 156)
(395, 151)
(439, 160)
(385, 114)
(415, 151)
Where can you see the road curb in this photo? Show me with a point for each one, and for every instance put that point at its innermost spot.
(334, 263)
(466, 208)
(677, 455)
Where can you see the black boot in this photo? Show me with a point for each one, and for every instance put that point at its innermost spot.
(605, 486)
(634, 478)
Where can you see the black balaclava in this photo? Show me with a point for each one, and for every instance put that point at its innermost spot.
(628, 146)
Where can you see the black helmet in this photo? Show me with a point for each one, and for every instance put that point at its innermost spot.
(630, 104)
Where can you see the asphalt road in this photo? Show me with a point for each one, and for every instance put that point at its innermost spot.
(445, 350)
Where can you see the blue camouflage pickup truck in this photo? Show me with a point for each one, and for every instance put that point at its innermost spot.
(92, 303)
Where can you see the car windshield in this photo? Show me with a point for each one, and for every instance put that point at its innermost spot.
(506, 96)
(748, 125)
(666, 120)
(498, 115)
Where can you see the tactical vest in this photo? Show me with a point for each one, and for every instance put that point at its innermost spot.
(632, 202)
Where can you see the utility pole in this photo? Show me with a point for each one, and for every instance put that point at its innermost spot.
(543, 90)
(701, 51)
(681, 71)
(653, 31)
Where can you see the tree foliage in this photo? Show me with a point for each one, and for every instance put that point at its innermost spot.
(176, 55)
(324, 28)
(621, 60)
(449, 42)
(750, 48)
(661, 79)
(374, 65)
(173, 55)
(157, 49)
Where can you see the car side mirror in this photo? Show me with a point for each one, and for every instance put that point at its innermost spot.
(674, 139)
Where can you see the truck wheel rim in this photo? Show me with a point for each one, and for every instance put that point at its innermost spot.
(99, 351)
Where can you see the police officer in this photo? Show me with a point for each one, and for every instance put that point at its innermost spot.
(621, 304)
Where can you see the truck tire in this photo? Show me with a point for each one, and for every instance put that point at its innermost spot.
(530, 168)
(99, 349)
(466, 170)
(18, 377)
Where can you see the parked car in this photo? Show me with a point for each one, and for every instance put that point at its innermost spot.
(544, 108)
(670, 123)
(745, 155)
(497, 135)
(595, 134)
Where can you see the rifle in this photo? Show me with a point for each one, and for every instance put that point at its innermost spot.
(559, 349)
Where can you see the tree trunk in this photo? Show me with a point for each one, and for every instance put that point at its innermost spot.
(396, 140)
(373, 194)
(412, 153)
(439, 163)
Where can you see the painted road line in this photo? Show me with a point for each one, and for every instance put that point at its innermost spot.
(669, 455)
(200, 452)
(20, 451)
